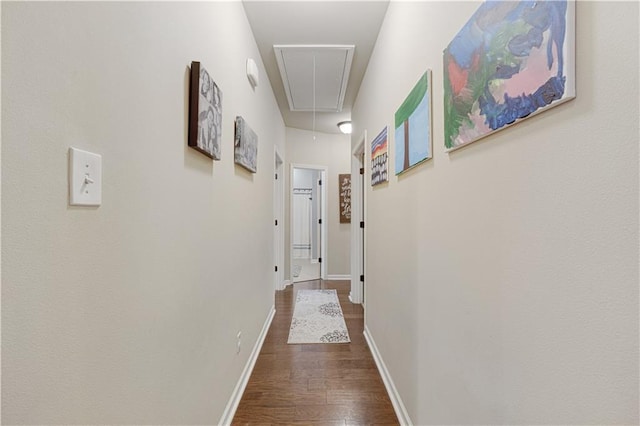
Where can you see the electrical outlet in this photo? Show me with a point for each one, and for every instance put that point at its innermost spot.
(239, 342)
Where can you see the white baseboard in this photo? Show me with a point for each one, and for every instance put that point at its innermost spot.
(236, 396)
(338, 278)
(398, 406)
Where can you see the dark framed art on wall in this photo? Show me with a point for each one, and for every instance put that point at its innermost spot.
(205, 112)
(344, 192)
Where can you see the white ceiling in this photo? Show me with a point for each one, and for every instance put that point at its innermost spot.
(316, 23)
(315, 77)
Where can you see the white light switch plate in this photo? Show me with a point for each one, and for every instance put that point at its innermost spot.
(85, 178)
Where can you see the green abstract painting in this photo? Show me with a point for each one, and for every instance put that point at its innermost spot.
(413, 126)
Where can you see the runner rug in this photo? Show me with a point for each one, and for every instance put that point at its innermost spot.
(317, 318)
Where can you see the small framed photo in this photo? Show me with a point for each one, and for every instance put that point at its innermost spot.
(380, 158)
(205, 113)
(246, 145)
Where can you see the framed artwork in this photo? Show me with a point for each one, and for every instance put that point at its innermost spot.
(379, 158)
(344, 192)
(510, 61)
(246, 146)
(205, 113)
(413, 126)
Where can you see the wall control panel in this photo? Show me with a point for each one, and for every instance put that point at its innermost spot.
(85, 178)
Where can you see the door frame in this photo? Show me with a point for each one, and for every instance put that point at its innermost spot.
(278, 215)
(358, 211)
(323, 209)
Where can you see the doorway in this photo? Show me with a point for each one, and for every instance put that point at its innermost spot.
(278, 215)
(308, 238)
(358, 222)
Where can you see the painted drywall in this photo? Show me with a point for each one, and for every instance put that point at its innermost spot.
(332, 151)
(0, 208)
(502, 278)
(128, 313)
(303, 178)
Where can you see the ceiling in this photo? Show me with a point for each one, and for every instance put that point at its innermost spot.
(315, 23)
(315, 77)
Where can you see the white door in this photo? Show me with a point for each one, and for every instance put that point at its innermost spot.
(278, 221)
(358, 190)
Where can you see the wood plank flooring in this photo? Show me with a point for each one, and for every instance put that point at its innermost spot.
(319, 384)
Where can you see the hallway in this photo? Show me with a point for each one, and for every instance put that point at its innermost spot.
(330, 384)
(502, 275)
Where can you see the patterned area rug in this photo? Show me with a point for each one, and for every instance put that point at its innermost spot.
(317, 318)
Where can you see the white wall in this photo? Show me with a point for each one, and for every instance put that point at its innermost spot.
(128, 313)
(303, 178)
(332, 151)
(502, 279)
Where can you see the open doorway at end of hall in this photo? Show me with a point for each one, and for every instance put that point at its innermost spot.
(306, 223)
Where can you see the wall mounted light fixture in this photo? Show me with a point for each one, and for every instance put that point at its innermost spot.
(252, 72)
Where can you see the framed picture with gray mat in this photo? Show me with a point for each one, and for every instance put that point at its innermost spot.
(246, 146)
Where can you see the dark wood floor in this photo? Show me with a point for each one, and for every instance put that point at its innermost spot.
(319, 384)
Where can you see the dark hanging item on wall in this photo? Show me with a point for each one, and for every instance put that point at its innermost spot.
(205, 113)
(344, 192)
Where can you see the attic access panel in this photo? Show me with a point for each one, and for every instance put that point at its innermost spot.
(328, 65)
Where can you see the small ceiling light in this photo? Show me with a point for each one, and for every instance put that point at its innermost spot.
(345, 127)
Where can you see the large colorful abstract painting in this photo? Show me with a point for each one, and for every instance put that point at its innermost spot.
(511, 60)
(379, 158)
(413, 126)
